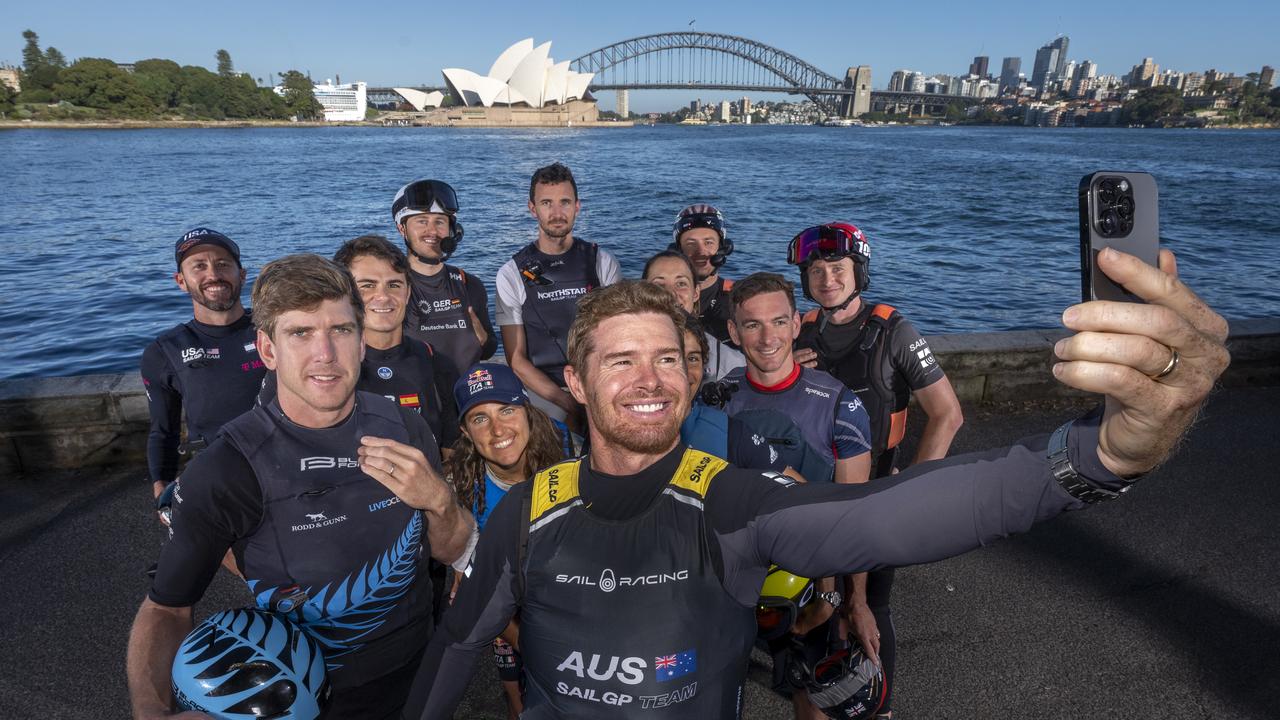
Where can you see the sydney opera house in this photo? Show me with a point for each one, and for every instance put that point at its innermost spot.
(523, 86)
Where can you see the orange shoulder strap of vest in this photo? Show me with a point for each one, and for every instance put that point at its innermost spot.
(811, 316)
(883, 311)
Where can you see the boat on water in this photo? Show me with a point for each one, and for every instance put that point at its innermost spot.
(843, 122)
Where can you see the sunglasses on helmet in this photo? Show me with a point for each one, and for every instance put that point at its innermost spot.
(826, 242)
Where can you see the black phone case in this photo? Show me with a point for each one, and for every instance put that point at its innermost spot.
(1143, 240)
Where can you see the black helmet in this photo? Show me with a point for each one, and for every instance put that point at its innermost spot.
(250, 663)
(429, 196)
(844, 683)
(702, 215)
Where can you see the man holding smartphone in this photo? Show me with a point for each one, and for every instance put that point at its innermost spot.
(606, 624)
(877, 353)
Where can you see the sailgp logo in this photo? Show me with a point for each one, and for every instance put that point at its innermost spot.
(327, 463)
(608, 582)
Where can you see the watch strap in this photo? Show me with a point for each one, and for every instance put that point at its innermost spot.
(1065, 473)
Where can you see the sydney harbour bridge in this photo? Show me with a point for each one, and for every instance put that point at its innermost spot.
(713, 61)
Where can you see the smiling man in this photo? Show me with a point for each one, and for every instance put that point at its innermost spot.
(402, 369)
(449, 308)
(538, 290)
(329, 499)
(207, 368)
(700, 233)
(636, 569)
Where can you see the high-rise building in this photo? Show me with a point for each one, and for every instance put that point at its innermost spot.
(1144, 73)
(1010, 68)
(1266, 78)
(746, 105)
(914, 83)
(979, 66)
(1061, 42)
(624, 106)
(724, 115)
(898, 80)
(694, 105)
(1051, 62)
(1191, 83)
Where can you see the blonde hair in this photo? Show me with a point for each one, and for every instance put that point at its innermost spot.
(627, 297)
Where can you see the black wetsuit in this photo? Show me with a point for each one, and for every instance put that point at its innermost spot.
(415, 376)
(301, 517)
(437, 314)
(619, 587)
(880, 356)
(210, 373)
(715, 307)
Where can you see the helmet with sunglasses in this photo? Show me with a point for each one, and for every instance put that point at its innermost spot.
(703, 216)
(250, 664)
(842, 683)
(429, 196)
(781, 597)
(832, 241)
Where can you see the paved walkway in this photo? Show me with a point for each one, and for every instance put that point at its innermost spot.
(1163, 605)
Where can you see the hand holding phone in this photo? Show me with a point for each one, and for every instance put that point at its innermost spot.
(1117, 210)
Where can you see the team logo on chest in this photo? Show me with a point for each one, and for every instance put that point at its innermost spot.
(385, 373)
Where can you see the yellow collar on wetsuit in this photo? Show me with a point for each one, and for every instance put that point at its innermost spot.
(556, 488)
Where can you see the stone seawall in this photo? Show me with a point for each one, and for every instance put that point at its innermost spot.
(95, 420)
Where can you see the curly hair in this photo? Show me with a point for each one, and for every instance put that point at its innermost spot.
(465, 469)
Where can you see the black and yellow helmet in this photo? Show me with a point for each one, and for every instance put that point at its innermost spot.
(781, 597)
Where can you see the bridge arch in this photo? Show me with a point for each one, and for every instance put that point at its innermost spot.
(795, 75)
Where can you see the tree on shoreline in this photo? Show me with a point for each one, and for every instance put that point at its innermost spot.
(1150, 105)
(300, 96)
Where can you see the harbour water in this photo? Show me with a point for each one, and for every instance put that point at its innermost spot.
(972, 229)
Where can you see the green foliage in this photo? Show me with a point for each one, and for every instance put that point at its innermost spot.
(94, 88)
(300, 96)
(40, 70)
(989, 115)
(159, 81)
(955, 112)
(7, 96)
(1150, 105)
(225, 68)
(99, 83)
(371, 113)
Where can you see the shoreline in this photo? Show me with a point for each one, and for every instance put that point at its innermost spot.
(212, 124)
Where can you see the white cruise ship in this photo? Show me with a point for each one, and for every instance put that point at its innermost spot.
(342, 102)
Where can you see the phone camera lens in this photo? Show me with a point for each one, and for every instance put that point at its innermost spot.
(1107, 192)
(1124, 206)
(1109, 223)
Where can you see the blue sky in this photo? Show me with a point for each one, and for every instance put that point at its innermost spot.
(407, 43)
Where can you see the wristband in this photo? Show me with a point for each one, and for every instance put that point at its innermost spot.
(1065, 473)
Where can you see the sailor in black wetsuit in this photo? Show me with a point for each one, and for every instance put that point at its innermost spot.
(329, 498)
(636, 569)
(206, 369)
(406, 371)
(449, 307)
(700, 233)
(538, 290)
(875, 351)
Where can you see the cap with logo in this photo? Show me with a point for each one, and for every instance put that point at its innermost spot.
(488, 382)
(204, 236)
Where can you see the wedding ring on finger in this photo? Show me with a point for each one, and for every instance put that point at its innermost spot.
(1173, 365)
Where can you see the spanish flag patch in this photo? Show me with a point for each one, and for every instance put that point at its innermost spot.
(409, 401)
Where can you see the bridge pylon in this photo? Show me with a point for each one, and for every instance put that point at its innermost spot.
(857, 104)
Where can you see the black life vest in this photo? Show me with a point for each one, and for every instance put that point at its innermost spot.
(866, 369)
(628, 619)
(552, 286)
(438, 315)
(218, 377)
(405, 375)
(336, 551)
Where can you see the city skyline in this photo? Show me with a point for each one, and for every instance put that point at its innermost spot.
(331, 40)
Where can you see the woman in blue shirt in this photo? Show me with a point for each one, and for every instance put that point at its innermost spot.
(504, 441)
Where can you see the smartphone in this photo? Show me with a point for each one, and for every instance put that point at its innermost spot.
(1117, 210)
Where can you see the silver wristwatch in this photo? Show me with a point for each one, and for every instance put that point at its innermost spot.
(1066, 475)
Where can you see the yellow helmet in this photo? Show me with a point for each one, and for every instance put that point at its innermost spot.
(781, 597)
